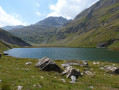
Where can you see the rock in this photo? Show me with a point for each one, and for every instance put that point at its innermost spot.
(85, 63)
(19, 87)
(0, 55)
(116, 71)
(63, 80)
(39, 85)
(5, 54)
(109, 68)
(101, 68)
(73, 78)
(41, 76)
(96, 63)
(46, 64)
(72, 63)
(88, 72)
(64, 65)
(71, 72)
(91, 87)
(28, 63)
(34, 85)
(0, 80)
(106, 43)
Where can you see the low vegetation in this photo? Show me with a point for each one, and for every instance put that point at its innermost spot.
(14, 73)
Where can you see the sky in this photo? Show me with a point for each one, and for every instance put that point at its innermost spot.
(27, 12)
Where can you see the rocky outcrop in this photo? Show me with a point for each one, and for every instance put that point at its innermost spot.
(116, 71)
(106, 43)
(46, 64)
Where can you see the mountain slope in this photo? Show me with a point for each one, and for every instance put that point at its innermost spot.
(97, 26)
(41, 31)
(11, 39)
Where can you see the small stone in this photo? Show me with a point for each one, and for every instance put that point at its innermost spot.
(34, 85)
(101, 68)
(39, 85)
(41, 76)
(28, 63)
(63, 80)
(32, 76)
(0, 80)
(19, 87)
(91, 87)
(73, 78)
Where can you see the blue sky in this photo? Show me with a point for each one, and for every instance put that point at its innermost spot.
(26, 12)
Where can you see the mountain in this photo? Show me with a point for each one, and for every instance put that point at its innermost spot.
(96, 26)
(11, 27)
(53, 21)
(41, 31)
(7, 39)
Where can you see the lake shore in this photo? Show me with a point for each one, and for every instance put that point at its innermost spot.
(14, 73)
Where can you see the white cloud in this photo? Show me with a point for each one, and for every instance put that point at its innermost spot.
(69, 8)
(6, 19)
(38, 13)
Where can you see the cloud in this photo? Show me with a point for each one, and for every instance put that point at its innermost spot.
(69, 8)
(38, 13)
(6, 19)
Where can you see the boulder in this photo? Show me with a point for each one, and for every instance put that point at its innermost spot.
(46, 64)
(0, 55)
(5, 54)
(85, 63)
(71, 72)
(116, 71)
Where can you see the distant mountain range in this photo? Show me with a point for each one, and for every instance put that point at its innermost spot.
(11, 27)
(96, 26)
(41, 31)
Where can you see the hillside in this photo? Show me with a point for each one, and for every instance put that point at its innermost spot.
(41, 31)
(7, 38)
(97, 26)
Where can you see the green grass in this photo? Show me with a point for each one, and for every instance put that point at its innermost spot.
(14, 72)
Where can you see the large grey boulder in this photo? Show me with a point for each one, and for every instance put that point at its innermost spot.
(46, 64)
(116, 71)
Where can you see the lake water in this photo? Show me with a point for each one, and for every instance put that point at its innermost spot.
(100, 54)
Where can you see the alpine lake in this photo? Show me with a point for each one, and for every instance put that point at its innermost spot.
(93, 54)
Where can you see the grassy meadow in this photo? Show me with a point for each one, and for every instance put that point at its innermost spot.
(14, 73)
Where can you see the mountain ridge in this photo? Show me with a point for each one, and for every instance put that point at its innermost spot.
(7, 38)
(53, 21)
